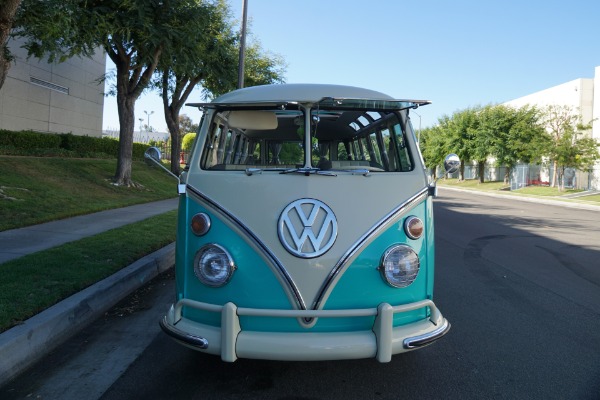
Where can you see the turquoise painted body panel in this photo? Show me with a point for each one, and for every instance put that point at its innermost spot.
(255, 284)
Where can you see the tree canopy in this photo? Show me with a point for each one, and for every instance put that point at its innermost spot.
(510, 136)
(8, 10)
(183, 39)
(212, 62)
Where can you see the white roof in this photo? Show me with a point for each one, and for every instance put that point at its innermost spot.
(298, 93)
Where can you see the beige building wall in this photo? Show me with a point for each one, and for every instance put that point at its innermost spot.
(577, 94)
(53, 97)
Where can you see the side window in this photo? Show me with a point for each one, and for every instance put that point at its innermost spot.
(404, 160)
(374, 151)
(227, 146)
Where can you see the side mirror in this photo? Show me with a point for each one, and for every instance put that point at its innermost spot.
(153, 156)
(451, 163)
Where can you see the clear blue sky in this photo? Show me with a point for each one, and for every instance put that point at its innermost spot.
(457, 53)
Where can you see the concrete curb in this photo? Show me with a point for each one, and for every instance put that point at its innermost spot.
(567, 204)
(25, 344)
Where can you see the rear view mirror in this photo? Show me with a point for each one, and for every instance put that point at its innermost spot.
(153, 156)
(254, 120)
(451, 163)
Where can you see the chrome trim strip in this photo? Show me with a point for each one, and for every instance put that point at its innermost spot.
(186, 338)
(288, 279)
(375, 230)
(428, 338)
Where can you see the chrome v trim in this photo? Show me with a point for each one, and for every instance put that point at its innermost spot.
(375, 230)
(274, 260)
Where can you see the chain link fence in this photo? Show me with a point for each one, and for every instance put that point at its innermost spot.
(524, 175)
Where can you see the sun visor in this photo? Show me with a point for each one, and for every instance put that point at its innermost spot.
(251, 119)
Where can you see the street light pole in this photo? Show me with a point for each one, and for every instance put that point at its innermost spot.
(141, 125)
(148, 114)
(242, 45)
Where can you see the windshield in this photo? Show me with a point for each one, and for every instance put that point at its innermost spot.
(341, 138)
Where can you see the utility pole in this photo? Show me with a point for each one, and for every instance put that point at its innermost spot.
(242, 45)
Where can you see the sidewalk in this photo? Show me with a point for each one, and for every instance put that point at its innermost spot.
(16, 243)
(25, 344)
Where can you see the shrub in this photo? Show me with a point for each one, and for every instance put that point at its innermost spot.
(29, 140)
(188, 140)
(29, 143)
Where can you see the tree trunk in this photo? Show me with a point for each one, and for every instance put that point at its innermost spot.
(507, 174)
(554, 173)
(481, 171)
(461, 172)
(126, 108)
(561, 180)
(4, 67)
(183, 88)
(131, 82)
(7, 14)
(172, 119)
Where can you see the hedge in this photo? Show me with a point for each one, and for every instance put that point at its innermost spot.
(62, 145)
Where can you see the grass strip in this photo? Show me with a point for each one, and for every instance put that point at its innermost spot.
(529, 191)
(35, 282)
(35, 190)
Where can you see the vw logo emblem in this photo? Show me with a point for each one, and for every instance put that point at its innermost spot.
(307, 228)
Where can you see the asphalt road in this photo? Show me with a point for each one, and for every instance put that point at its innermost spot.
(520, 283)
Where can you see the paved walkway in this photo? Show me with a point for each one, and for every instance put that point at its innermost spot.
(16, 243)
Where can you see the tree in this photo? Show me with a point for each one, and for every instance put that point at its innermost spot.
(134, 34)
(460, 130)
(433, 146)
(521, 139)
(206, 53)
(512, 135)
(186, 124)
(485, 125)
(571, 150)
(211, 60)
(8, 9)
(559, 121)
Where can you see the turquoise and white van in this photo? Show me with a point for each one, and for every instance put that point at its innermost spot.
(305, 228)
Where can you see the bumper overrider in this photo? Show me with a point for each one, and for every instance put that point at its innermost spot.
(231, 342)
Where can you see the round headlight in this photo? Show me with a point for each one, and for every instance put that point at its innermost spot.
(399, 266)
(213, 265)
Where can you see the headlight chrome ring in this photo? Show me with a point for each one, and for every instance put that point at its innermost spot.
(213, 265)
(399, 266)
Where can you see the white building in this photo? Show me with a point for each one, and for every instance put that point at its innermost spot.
(53, 97)
(578, 94)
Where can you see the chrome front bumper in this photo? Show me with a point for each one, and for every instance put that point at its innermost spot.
(231, 342)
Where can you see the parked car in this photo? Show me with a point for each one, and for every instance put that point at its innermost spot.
(305, 228)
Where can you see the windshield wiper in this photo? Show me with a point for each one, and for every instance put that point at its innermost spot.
(308, 171)
(252, 171)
